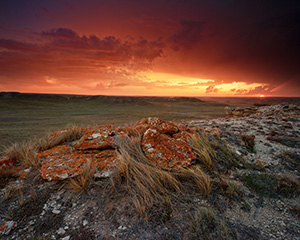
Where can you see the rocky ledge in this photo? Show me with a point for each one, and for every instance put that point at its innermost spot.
(249, 163)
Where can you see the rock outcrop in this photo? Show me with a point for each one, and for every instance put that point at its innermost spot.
(165, 143)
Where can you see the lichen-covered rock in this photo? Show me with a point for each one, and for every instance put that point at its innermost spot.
(102, 138)
(6, 227)
(165, 143)
(240, 112)
(6, 164)
(153, 121)
(167, 152)
(63, 162)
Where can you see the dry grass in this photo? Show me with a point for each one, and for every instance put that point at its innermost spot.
(288, 185)
(204, 149)
(228, 187)
(70, 134)
(217, 133)
(26, 152)
(81, 182)
(143, 180)
(205, 224)
(139, 206)
(248, 141)
(13, 190)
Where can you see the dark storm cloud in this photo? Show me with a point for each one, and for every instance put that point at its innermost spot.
(226, 41)
(188, 35)
(242, 41)
(68, 53)
(61, 33)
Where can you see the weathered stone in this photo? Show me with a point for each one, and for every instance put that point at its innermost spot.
(153, 121)
(293, 142)
(102, 138)
(167, 152)
(6, 227)
(6, 164)
(63, 162)
(240, 112)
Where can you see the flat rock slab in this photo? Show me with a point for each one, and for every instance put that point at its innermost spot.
(63, 162)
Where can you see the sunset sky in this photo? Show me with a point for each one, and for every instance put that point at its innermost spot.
(151, 48)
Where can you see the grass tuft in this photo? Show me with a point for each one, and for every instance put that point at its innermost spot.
(228, 187)
(206, 225)
(288, 185)
(13, 190)
(143, 180)
(204, 150)
(68, 135)
(81, 182)
(24, 152)
(249, 141)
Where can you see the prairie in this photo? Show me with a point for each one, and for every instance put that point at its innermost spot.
(25, 116)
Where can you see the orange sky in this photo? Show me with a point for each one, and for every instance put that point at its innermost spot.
(151, 48)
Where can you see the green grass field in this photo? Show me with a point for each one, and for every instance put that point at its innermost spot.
(27, 116)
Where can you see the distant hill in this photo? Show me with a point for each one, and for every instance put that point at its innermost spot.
(100, 98)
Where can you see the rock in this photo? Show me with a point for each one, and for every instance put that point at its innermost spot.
(166, 151)
(240, 112)
(56, 211)
(61, 231)
(63, 162)
(6, 164)
(66, 238)
(6, 227)
(293, 142)
(106, 174)
(169, 149)
(122, 228)
(85, 222)
(103, 138)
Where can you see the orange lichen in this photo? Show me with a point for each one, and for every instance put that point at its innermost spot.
(102, 138)
(7, 226)
(165, 143)
(261, 163)
(64, 161)
(153, 121)
(167, 152)
(6, 164)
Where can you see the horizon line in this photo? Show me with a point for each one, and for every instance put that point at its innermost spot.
(200, 96)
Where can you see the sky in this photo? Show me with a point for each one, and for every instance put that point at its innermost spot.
(151, 48)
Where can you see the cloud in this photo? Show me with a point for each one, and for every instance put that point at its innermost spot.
(188, 35)
(71, 59)
(244, 43)
(211, 89)
(61, 33)
(265, 90)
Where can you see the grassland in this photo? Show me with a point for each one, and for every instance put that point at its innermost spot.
(25, 116)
